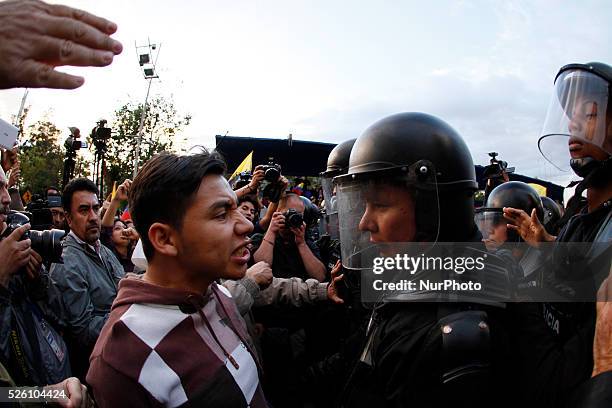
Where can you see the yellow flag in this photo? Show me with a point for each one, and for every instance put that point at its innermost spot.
(540, 189)
(114, 190)
(246, 165)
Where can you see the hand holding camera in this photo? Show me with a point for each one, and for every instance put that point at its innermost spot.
(256, 179)
(277, 223)
(299, 233)
(14, 252)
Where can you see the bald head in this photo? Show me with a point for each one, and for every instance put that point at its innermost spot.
(291, 201)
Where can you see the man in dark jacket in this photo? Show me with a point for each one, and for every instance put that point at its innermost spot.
(89, 276)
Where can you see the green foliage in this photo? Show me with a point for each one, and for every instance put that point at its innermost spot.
(41, 157)
(161, 127)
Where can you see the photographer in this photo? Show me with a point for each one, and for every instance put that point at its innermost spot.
(25, 308)
(284, 247)
(252, 187)
(89, 276)
(115, 233)
(495, 173)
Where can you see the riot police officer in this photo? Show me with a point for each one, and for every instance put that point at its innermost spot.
(577, 134)
(411, 179)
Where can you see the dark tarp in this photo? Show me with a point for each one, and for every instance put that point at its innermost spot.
(301, 159)
(298, 159)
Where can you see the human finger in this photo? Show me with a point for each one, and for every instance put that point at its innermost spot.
(100, 23)
(23, 245)
(513, 213)
(18, 233)
(79, 32)
(336, 269)
(58, 52)
(38, 75)
(31, 269)
(534, 217)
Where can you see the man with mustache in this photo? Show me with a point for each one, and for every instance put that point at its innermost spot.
(89, 276)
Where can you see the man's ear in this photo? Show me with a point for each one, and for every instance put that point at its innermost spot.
(163, 238)
(68, 218)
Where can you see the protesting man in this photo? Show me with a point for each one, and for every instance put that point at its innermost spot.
(186, 341)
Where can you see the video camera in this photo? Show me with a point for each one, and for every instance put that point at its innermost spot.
(100, 134)
(496, 167)
(73, 143)
(293, 218)
(46, 243)
(39, 209)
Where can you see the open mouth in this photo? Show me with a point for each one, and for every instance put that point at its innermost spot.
(241, 254)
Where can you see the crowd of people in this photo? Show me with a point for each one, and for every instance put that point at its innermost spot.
(253, 295)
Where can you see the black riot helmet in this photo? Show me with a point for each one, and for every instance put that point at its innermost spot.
(417, 153)
(580, 112)
(338, 159)
(552, 215)
(337, 164)
(515, 194)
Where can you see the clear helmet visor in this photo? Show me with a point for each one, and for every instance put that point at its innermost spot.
(491, 224)
(378, 214)
(579, 111)
(329, 195)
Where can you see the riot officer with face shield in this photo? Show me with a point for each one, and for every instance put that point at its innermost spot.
(411, 179)
(528, 262)
(577, 135)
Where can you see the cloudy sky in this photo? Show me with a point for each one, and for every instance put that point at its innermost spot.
(326, 70)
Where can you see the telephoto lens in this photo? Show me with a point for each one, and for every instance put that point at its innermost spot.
(47, 243)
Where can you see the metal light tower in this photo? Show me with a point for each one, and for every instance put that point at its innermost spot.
(145, 60)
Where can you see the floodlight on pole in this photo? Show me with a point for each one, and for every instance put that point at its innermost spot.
(150, 73)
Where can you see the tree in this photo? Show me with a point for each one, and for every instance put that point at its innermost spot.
(161, 127)
(41, 156)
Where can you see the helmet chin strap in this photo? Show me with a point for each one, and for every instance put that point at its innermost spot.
(594, 173)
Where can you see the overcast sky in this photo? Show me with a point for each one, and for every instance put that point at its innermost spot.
(326, 70)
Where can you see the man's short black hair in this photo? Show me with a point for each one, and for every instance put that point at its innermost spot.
(165, 188)
(77, 184)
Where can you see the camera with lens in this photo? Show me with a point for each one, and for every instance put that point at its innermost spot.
(496, 168)
(46, 243)
(272, 171)
(242, 179)
(39, 211)
(293, 218)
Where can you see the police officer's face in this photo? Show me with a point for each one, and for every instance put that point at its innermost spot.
(389, 214)
(582, 127)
